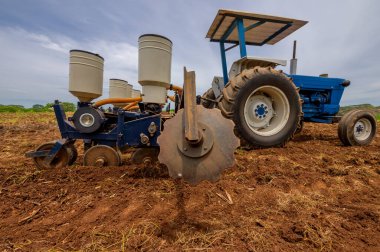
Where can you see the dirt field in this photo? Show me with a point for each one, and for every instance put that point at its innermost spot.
(313, 195)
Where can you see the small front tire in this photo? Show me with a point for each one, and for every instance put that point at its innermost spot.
(357, 128)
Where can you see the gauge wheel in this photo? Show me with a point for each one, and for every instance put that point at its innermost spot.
(60, 160)
(265, 106)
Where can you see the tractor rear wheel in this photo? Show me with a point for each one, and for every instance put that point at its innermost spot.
(265, 106)
(357, 128)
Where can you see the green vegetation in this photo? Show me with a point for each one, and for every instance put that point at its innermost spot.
(369, 107)
(68, 107)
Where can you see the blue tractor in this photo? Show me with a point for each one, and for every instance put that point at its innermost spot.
(268, 106)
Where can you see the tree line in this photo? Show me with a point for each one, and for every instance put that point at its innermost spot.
(67, 106)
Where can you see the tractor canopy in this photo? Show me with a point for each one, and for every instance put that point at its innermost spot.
(244, 28)
(258, 29)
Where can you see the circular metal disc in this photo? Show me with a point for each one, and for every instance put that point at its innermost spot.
(205, 167)
(140, 155)
(101, 155)
(60, 160)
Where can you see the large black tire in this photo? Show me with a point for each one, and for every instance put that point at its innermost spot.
(300, 126)
(357, 128)
(342, 126)
(251, 85)
(206, 97)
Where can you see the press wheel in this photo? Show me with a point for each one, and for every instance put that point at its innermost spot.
(101, 156)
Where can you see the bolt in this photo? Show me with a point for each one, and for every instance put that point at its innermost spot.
(265, 107)
(258, 106)
(179, 175)
(185, 149)
(264, 115)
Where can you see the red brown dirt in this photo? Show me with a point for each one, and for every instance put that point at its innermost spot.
(314, 194)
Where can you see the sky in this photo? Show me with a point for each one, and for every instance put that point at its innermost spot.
(341, 39)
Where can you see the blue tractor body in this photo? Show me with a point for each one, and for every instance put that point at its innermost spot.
(321, 97)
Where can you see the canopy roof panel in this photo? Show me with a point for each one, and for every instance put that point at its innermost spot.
(259, 29)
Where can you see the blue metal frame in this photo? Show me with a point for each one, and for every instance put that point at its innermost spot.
(127, 130)
(48, 154)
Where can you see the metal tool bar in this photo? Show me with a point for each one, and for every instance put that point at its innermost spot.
(191, 126)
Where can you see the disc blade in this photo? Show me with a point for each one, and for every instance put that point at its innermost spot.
(208, 166)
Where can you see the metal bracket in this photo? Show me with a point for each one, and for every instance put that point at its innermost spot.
(53, 152)
(190, 106)
(202, 148)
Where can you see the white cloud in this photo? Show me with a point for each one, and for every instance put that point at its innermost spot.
(34, 67)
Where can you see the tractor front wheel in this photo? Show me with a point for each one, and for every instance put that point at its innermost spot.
(265, 106)
(357, 127)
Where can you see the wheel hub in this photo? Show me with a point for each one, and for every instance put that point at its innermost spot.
(266, 110)
(100, 162)
(362, 129)
(261, 111)
(200, 149)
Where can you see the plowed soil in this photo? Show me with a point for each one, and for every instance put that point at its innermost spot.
(312, 195)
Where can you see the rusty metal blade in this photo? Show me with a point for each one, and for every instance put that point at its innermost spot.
(190, 120)
(208, 166)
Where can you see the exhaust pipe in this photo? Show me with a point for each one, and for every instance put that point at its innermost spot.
(293, 61)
